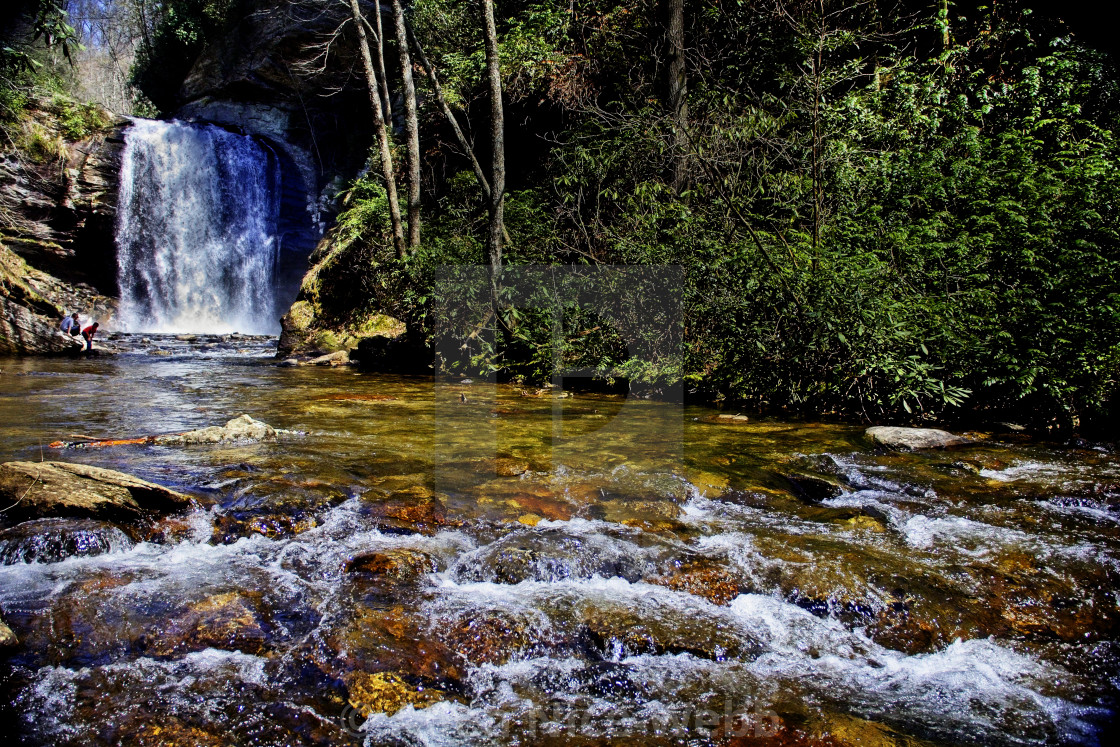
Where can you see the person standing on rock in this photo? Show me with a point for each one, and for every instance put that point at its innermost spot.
(88, 334)
(71, 325)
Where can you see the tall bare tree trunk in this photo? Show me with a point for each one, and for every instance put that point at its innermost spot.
(384, 79)
(430, 71)
(817, 61)
(379, 127)
(411, 127)
(468, 150)
(943, 21)
(498, 146)
(678, 93)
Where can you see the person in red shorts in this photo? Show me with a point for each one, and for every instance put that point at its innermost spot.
(88, 334)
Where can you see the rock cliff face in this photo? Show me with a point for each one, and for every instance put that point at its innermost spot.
(59, 212)
(57, 216)
(29, 311)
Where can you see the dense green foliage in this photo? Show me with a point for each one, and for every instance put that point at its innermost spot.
(29, 29)
(37, 114)
(873, 223)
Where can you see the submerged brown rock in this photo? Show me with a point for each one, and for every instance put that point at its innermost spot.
(7, 637)
(395, 567)
(707, 580)
(416, 509)
(388, 692)
(229, 621)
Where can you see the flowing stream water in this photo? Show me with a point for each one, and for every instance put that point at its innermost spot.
(423, 564)
(196, 230)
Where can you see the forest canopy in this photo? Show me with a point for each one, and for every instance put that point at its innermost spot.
(881, 209)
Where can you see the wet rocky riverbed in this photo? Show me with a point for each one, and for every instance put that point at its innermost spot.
(460, 563)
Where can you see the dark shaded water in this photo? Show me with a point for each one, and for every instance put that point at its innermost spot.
(544, 569)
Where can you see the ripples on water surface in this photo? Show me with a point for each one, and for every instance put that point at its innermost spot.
(596, 571)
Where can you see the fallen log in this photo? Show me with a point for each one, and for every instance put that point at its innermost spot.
(107, 442)
(241, 428)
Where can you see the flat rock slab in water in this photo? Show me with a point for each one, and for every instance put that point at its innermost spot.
(38, 490)
(907, 439)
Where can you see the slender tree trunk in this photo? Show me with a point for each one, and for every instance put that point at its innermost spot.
(877, 23)
(411, 128)
(384, 79)
(430, 71)
(497, 139)
(818, 186)
(379, 127)
(678, 93)
(943, 21)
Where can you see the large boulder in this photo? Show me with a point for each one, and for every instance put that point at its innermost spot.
(37, 490)
(305, 333)
(908, 439)
(241, 428)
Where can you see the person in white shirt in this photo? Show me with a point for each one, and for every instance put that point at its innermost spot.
(71, 326)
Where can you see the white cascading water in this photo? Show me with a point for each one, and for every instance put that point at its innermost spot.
(196, 231)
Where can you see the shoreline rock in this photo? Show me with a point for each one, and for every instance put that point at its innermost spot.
(909, 439)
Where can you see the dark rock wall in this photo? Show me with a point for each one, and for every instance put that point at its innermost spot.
(61, 213)
(57, 253)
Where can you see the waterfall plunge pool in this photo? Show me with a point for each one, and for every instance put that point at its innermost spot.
(595, 570)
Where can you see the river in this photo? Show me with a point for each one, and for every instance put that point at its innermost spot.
(464, 563)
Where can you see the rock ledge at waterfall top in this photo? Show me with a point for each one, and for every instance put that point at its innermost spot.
(37, 490)
(907, 439)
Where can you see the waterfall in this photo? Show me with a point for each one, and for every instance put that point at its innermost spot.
(196, 230)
